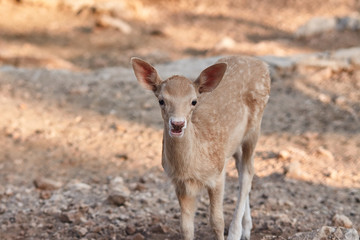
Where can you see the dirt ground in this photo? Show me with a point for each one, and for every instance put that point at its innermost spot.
(90, 127)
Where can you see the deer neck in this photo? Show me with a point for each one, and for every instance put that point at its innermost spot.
(179, 152)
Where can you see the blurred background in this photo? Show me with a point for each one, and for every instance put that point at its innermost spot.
(91, 34)
(80, 140)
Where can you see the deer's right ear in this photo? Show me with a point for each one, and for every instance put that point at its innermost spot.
(145, 74)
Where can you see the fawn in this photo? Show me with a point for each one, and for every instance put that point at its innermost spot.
(207, 122)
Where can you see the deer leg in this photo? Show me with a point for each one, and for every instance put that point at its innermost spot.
(245, 166)
(187, 203)
(216, 196)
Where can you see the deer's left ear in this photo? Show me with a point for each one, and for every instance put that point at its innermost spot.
(210, 78)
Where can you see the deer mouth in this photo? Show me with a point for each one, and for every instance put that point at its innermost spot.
(177, 127)
(176, 130)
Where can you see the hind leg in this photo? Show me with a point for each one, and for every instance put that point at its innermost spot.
(247, 221)
(241, 224)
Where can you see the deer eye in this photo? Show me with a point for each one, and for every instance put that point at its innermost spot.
(161, 102)
(194, 102)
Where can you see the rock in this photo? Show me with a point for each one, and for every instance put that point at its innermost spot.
(118, 192)
(283, 63)
(340, 101)
(130, 229)
(340, 220)
(107, 21)
(325, 153)
(319, 62)
(2, 208)
(140, 187)
(70, 217)
(47, 184)
(45, 195)
(324, 98)
(138, 236)
(316, 25)
(122, 156)
(79, 186)
(80, 231)
(349, 22)
(283, 220)
(293, 170)
(79, 90)
(349, 54)
(226, 43)
(326, 233)
(159, 228)
(284, 154)
(118, 198)
(76, 6)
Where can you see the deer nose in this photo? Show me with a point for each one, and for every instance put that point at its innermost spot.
(177, 124)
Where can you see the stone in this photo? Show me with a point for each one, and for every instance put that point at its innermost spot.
(326, 232)
(283, 220)
(140, 187)
(108, 21)
(226, 43)
(138, 236)
(283, 63)
(340, 220)
(70, 217)
(47, 184)
(340, 101)
(325, 153)
(346, 54)
(80, 231)
(45, 195)
(284, 154)
(294, 170)
(79, 186)
(117, 198)
(324, 98)
(159, 228)
(316, 25)
(118, 192)
(2, 208)
(130, 229)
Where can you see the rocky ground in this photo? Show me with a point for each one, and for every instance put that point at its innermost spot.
(81, 141)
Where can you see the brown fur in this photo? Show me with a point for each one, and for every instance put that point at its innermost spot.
(224, 123)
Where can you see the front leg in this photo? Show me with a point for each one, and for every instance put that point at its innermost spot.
(216, 196)
(187, 201)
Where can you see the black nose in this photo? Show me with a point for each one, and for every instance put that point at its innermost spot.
(178, 124)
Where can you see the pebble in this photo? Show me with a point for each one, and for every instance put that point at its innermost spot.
(326, 153)
(284, 154)
(70, 217)
(79, 186)
(324, 98)
(327, 232)
(341, 101)
(340, 220)
(138, 236)
(117, 198)
(2, 208)
(108, 21)
(159, 228)
(226, 43)
(80, 231)
(45, 195)
(293, 170)
(47, 184)
(130, 229)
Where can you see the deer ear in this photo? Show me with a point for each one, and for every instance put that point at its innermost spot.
(145, 74)
(210, 78)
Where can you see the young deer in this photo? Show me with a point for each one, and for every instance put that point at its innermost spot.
(206, 122)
